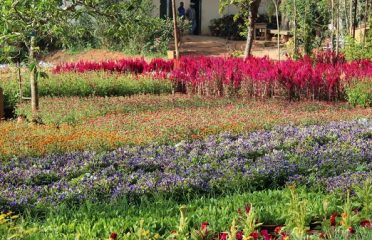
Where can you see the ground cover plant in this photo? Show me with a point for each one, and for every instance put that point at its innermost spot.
(332, 156)
(72, 129)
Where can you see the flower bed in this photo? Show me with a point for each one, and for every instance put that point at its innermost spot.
(108, 123)
(259, 160)
(323, 77)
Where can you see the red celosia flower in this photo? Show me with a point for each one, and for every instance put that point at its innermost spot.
(278, 230)
(254, 235)
(265, 234)
(222, 236)
(366, 223)
(204, 226)
(351, 230)
(284, 236)
(247, 208)
(239, 235)
(113, 236)
(333, 219)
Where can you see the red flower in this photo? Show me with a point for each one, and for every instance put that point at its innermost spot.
(254, 235)
(247, 208)
(351, 230)
(204, 226)
(333, 219)
(284, 236)
(113, 236)
(222, 236)
(366, 223)
(239, 235)
(278, 230)
(265, 234)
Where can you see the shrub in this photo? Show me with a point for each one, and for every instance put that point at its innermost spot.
(360, 93)
(227, 27)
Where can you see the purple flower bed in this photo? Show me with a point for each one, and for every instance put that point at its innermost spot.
(328, 155)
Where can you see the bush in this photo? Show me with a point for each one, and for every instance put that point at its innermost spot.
(360, 93)
(135, 31)
(227, 27)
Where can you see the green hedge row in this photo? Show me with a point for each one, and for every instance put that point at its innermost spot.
(83, 85)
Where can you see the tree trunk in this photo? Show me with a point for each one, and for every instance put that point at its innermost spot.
(337, 27)
(175, 29)
(253, 11)
(295, 50)
(333, 24)
(278, 26)
(347, 19)
(365, 23)
(354, 18)
(33, 81)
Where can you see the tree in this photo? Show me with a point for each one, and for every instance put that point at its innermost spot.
(22, 22)
(248, 9)
(310, 19)
(276, 5)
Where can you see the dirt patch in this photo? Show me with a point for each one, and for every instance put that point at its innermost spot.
(191, 45)
(88, 55)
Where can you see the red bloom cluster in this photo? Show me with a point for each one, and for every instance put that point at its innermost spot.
(113, 236)
(261, 77)
(135, 65)
(322, 78)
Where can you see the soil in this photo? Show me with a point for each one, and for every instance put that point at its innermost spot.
(190, 45)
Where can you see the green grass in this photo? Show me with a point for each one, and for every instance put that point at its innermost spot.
(161, 215)
(84, 85)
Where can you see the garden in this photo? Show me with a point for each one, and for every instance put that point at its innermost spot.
(200, 148)
(196, 147)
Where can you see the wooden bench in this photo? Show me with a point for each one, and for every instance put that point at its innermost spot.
(285, 34)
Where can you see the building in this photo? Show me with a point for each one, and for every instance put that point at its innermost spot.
(206, 10)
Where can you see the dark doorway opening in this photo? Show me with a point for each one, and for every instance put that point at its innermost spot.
(165, 9)
(198, 11)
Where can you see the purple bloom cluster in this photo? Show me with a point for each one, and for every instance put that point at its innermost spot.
(331, 154)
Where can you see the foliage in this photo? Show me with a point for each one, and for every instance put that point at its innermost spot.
(359, 93)
(20, 20)
(355, 51)
(227, 27)
(312, 18)
(296, 215)
(158, 217)
(121, 25)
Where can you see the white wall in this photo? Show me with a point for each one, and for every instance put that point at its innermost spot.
(210, 10)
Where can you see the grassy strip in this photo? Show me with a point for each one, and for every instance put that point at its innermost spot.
(161, 216)
(87, 84)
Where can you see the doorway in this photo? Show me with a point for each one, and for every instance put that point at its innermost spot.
(198, 11)
(165, 9)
